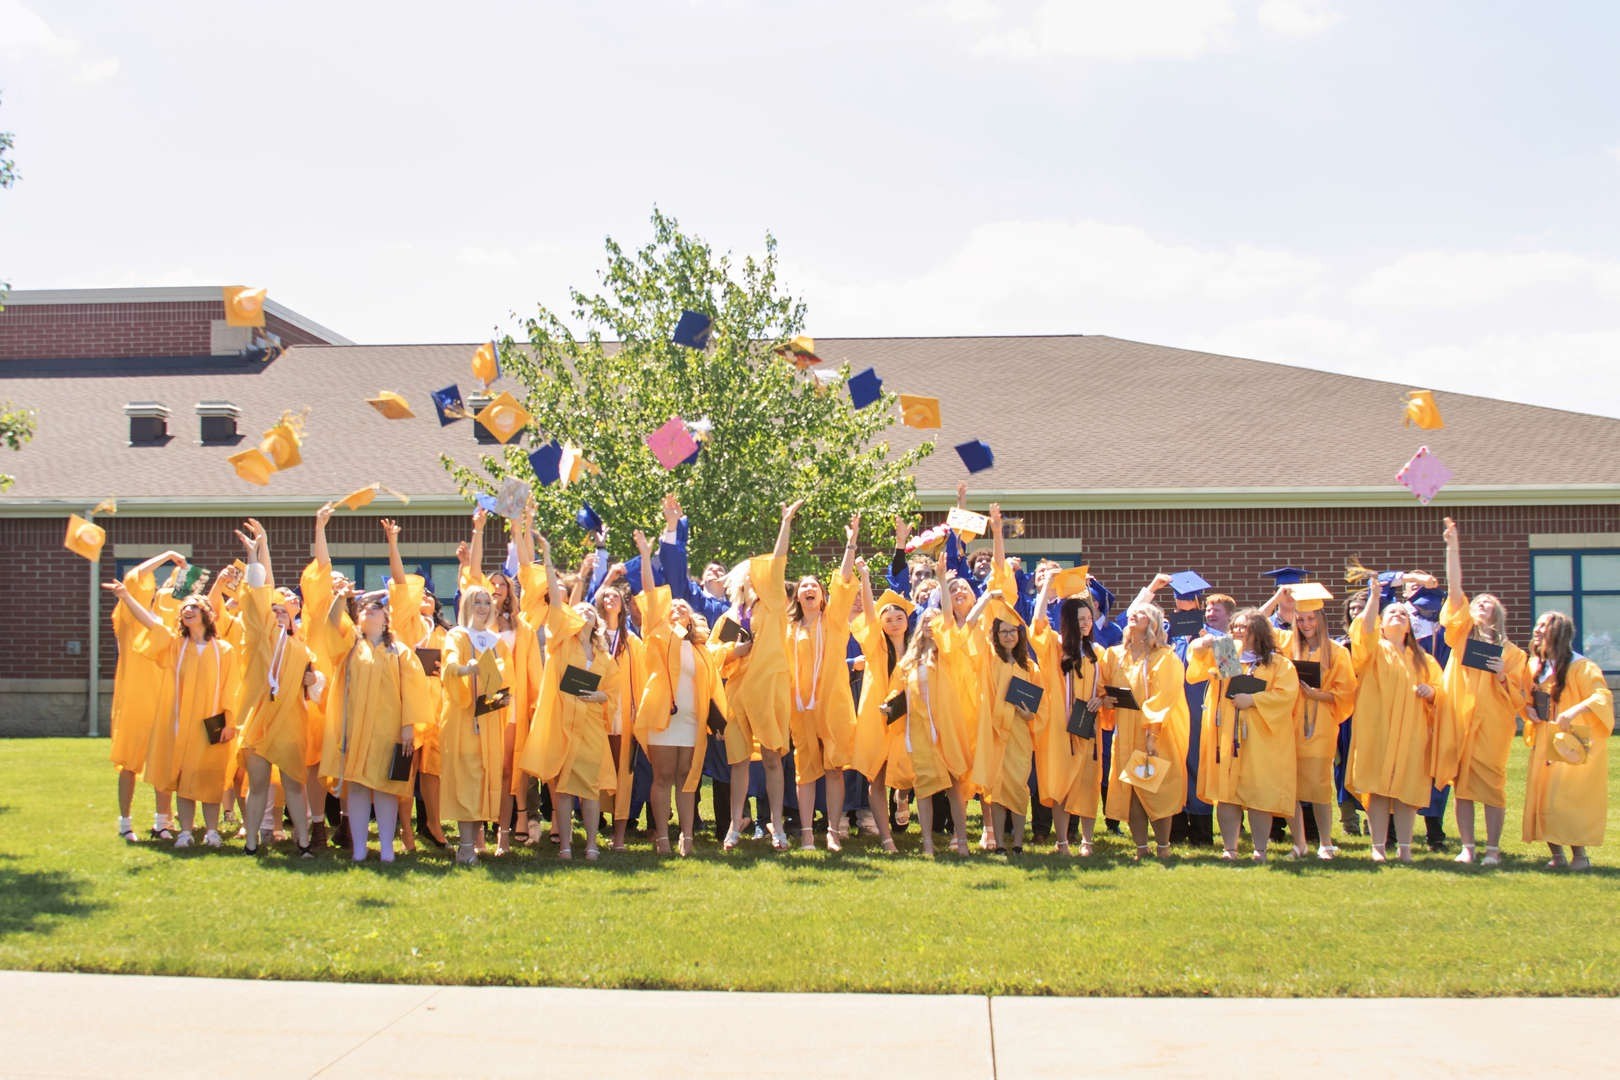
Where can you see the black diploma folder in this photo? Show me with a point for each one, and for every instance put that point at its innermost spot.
(1310, 673)
(400, 768)
(894, 709)
(577, 681)
(1187, 624)
(1245, 684)
(215, 727)
(430, 659)
(1023, 694)
(488, 703)
(1082, 720)
(1476, 652)
(1122, 697)
(731, 630)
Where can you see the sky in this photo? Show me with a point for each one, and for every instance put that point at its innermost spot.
(1422, 192)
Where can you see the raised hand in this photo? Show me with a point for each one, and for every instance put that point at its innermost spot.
(324, 514)
(390, 529)
(1450, 534)
(902, 531)
(853, 530)
(642, 543)
(791, 510)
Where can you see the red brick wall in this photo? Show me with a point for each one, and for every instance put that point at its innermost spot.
(118, 331)
(46, 586)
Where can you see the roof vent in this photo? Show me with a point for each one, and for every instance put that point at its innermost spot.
(219, 422)
(148, 423)
(475, 404)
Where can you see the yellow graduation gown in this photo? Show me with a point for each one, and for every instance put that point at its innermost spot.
(878, 744)
(528, 659)
(273, 726)
(1068, 769)
(470, 747)
(135, 681)
(374, 694)
(568, 738)
(1006, 743)
(630, 653)
(1564, 803)
(661, 655)
(1389, 742)
(1317, 722)
(1158, 681)
(417, 631)
(315, 591)
(1478, 717)
(1248, 758)
(757, 684)
(194, 684)
(822, 722)
(934, 724)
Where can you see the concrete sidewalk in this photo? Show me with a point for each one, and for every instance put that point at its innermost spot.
(108, 1026)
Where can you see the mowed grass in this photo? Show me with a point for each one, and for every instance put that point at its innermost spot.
(73, 897)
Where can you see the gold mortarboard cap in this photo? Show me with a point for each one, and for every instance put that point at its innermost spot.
(504, 418)
(391, 405)
(84, 538)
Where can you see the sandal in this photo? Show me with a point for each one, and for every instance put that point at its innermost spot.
(1162, 851)
(807, 839)
(779, 840)
(661, 845)
(733, 838)
(1141, 850)
(889, 848)
(960, 847)
(1062, 848)
(591, 854)
(162, 833)
(128, 836)
(685, 847)
(835, 842)
(1085, 848)
(565, 852)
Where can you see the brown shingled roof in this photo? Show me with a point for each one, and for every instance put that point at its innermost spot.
(1064, 414)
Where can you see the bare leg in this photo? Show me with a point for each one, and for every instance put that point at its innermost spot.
(685, 801)
(211, 816)
(126, 793)
(163, 804)
(1017, 829)
(621, 822)
(297, 809)
(258, 771)
(1465, 829)
(1495, 818)
(1578, 859)
(1260, 832)
(387, 824)
(1404, 818)
(466, 852)
(188, 814)
(1139, 825)
(773, 789)
(835, 809)
(1230, 818)
(880, 809)
(925, 819)
(591, 811)
(1060, 825)
(503, 828)
(1378, 825)
(739, 799)
(562, 811)
(1161, 834)
(663, 765)
(958, 819)
(1557, 862)
(1324, 827)
(358, 805)
(403, 806)
(430, 803)
(807, 815)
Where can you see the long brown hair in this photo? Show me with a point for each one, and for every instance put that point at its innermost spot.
(204, 610)
(1558, 649)
(1261, 641)
(1019, 653)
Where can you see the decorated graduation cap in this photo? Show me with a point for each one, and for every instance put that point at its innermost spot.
(588, 519)
(393, 406)
(84, 538)
(1309, 595)
(1571, 747)
(1187, 585)
(244, 305)
(448, 404)
(1286, 575)
(282, 442)
(976, 455)
(918, 411)
(573, 464)
(546, 461)
(504, 417)
(1069, 582)
(801, 349)
(693, 330)
(671, 443)
(354, 500)
(865, 388)
(1424, 475)
(486, 363)
(108, 505)
(486, 502)
(1422, 411)
(890, 598)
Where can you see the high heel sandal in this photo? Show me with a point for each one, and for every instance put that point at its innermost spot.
(733, 838)
(661, 845)
(565, 852)
(304, 851)
(779, 840)
(1162, 851)
(591, 854)
(834, 841)
(685, 847)
(1085, 848)
(889, 848)
(1141, 850)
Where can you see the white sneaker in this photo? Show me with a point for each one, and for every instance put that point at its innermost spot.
(211, 839)
(184, 839)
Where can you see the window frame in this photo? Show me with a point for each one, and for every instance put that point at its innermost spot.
(1576, 590)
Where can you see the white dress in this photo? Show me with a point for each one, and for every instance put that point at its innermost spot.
(682, 729)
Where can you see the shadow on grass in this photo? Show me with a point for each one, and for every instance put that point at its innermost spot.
(30, 899)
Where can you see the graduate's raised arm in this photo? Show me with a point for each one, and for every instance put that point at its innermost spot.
(396, 565)
(1150, 590)
(323, 558)
(553, 582)
(998, 544)
(899, 574)
(852, 533)
(475, 543)
(143, 616)
(866, 591)
(784, 534)
(1454, 575)
(947, 611)
(645, 548)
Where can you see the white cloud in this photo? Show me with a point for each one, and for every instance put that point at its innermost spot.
(1298, 18)
(970, 11)
(1106, 29)
(24, 33)
(1459, 279)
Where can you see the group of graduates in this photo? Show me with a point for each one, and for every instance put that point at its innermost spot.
(622, 686)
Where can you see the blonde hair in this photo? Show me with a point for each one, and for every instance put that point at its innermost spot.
(921, 649)
(464, 611)
(739, 584)
(1155, 614)
(1497, 631)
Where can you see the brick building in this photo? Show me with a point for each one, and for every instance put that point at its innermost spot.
(1132, 457)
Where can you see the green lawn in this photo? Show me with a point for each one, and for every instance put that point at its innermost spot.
(75, 898)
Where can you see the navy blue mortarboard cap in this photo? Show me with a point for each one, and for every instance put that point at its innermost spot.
(693, 330)
(1099, 592)
(1428, 602)
(486, 502)
(547, 462)
(588, 519)
(865, 388)
(1286, 575)
(448, 404)
(976, 455)
(1187, 585)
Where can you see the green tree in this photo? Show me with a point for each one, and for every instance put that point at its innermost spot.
(16, 425)
(614, 376)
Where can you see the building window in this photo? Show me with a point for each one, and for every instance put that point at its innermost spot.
(1585, 585)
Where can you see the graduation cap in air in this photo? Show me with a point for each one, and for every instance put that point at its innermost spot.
(1286, 575)
(354, 500)
(486, 363)
(244, 306)
(1427, 602)
(693, 330)
(486, 502)
(84, 538)
(801, 349)
(546, 462)
(282, 442)
(252, 466)
(393, 406)
(1422, 411)
(504, 417)
(976, 455)
(448, 404)
(1424, 475)
(865, 388)
(1187, 585)
(1069, 582)
(671, 443)
(588, 519)
(918, 411)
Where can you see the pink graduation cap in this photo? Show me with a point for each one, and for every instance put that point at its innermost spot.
(1424, 475)
(672, 443)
